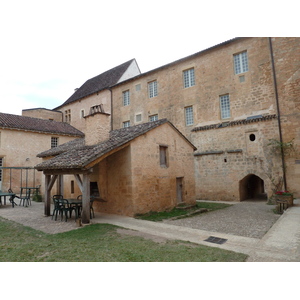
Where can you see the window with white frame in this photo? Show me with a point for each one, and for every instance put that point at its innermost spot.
(152, 89)
(225, 106)
(126, 124)
(54, 142)
(188, 78)
(189, 115)
(153, 118)
(126, 98)
(240, 62)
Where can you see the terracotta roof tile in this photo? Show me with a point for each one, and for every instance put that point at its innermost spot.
(78, 156)
(17, 122)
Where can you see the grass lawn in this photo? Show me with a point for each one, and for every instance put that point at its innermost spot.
(101, 243)
(176, 212)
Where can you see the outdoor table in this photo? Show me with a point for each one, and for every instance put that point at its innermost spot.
(12, 195)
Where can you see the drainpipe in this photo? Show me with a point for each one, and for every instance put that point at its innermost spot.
(278, 111)
(111, 109)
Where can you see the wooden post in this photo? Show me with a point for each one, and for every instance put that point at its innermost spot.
(49, 182)
(47, 195)
(85, 215)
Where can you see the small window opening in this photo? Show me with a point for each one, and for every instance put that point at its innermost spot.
(163, 156)
(72, 187)
(252, 137)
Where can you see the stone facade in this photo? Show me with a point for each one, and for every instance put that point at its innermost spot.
(19, 148)
(43, 113)
(234, 154)
(132, 181)
(252, 95)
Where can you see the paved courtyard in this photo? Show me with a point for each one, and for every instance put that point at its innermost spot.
(248, 219)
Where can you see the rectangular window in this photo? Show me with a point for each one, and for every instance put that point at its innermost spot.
(126, 124)
(82, 114)
(188, 78)
(68, 116)
(138, 118)
(163, 156)
(189, 115)
(153, 118)
(126, 98)
(240, 62)
(225, 106)
(72, 187)
(152, 89)
(54, 142)
(138, 87)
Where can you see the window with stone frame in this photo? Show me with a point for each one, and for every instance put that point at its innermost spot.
(126, 124)
(54, 142)
(189, 78)
(163, 156)
(126, 98)
(152, 89)
(240, 62)
(153, 118)
(189, 115)
(225, 106)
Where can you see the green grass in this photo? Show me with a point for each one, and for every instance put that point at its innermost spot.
(99, 243)
(176, 212)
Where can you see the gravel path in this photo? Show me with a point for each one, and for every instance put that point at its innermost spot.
(248, 218)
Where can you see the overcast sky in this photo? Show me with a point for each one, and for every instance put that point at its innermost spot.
(49, 48)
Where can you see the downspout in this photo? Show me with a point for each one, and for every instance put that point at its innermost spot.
(278, 111)
(111, 109)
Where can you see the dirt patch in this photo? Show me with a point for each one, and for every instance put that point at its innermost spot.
(144, 235)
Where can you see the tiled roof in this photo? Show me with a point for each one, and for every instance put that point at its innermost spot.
(74, 144)
(248, 120)
(98, 83)
(17, 122)
(78, 158)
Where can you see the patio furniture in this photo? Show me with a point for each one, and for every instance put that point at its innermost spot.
(57, 207)
(11, 196)
(66, 208)
(92, 214)
(26, 198)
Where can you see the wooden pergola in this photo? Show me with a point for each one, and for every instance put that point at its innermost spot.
(82, 178)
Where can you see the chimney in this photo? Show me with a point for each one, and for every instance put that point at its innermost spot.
(97, 128)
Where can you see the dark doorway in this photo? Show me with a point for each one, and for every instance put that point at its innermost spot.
(179, 189)
(252, 188)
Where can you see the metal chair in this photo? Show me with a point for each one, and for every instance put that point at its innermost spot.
(66, 208)
(57, 208)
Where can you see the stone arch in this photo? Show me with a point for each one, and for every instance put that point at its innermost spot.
(252, 187)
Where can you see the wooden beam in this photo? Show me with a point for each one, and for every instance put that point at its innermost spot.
(94, 162)
(79, 181)
(85, 215)
(47, 196)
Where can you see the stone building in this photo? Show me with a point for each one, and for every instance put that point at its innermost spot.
(134, 170)
(21, 139)
(229, 100)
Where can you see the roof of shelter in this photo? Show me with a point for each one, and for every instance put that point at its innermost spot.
(77, 156)
(99, 83)
(9, 121)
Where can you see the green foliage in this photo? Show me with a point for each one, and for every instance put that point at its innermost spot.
(287, 147)
(99, 243)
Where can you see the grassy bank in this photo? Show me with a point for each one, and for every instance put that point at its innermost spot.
(99, 242)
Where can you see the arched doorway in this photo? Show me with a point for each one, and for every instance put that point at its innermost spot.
(252, 188)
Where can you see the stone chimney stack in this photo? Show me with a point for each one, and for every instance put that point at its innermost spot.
(97, 126)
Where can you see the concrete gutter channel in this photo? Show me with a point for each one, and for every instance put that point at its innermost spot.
(280, 244)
